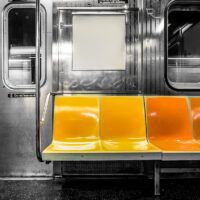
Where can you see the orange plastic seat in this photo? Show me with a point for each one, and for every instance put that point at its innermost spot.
(169, 124)
(123, 125)
(76, 126)
(195, 108)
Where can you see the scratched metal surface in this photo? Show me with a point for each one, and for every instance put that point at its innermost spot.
(17, 121)
(69, 80)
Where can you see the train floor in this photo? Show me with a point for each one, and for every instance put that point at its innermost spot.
(188, 189)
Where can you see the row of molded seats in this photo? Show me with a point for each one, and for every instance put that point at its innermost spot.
(125, 128)
(170, 126)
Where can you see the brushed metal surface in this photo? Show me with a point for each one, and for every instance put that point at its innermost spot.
(90, 80)
(17, 120)
(154, 30)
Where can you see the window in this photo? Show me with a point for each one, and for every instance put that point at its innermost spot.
(19, 46)
(183, 69)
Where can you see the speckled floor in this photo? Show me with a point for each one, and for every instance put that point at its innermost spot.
(98, 190)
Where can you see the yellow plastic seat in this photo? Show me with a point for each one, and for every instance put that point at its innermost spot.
(169, 125)
(100, 128)
(76, 126)
(123, 125)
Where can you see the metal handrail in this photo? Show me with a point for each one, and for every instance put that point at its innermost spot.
(178, 58)
(37, 76)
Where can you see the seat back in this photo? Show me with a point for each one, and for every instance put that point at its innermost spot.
(195, 108)
(122, 118)
(168, 118)
(76, 119)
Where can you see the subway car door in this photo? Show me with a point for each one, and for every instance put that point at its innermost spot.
(17, 87)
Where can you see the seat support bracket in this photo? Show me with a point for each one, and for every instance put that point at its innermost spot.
(157, 178)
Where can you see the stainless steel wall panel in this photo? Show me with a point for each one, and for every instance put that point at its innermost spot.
(154, 50)
(96, 81)
(154, 47)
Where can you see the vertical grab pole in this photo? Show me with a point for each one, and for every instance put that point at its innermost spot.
(37, 77)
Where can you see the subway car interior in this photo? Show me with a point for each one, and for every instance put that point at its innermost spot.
(100, 99)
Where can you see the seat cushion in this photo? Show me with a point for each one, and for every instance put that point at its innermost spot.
(64, 147)
(178, 146)
(127, 146)
(169, 124)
